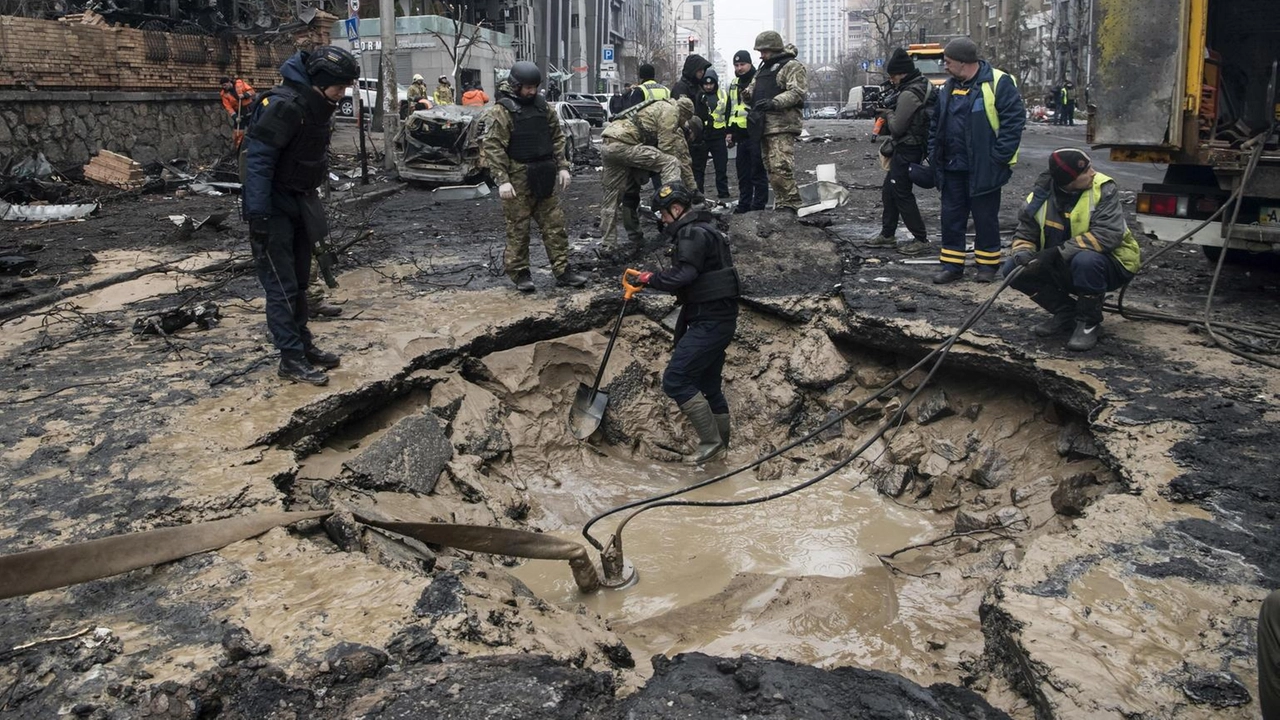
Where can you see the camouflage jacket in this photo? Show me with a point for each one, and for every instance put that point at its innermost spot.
(658, 124)
(497, 134)
(793, 84)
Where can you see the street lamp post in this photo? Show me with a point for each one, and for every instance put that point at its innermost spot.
(675, 38)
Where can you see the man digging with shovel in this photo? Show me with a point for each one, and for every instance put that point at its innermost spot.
(705, 283)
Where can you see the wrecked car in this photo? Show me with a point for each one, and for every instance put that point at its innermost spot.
(441, 146)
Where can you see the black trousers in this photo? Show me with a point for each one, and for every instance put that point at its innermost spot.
(698, 361)
(284, 267)
(1269, 657)
(753, 181)
(898, 194)
(957, 206)
(713, 145)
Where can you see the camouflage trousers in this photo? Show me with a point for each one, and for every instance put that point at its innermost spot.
(518, 212)
(779, 154)
(626, 169)
(316, 289)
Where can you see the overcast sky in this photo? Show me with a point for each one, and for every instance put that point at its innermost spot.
(738, 22)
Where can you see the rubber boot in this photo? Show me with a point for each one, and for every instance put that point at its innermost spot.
(722, 424)
(295, 367)
(704, 423)
(1060, 306)
(1088, 323)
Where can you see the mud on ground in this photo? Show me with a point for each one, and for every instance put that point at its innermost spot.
(1094, 531)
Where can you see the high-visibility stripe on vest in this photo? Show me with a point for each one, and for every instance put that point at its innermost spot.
(988, 90)
(1127, 254)
(720, 113)
(653, 90)
(737, 108)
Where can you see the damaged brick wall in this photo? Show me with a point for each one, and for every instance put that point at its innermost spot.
(71, 89)
(51, 55)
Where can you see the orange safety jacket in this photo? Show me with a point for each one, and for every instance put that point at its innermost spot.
(474, 97)
(241, 100)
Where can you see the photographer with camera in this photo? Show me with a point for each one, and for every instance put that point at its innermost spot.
(904, 117)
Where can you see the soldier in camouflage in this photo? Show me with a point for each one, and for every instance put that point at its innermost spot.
(776, 95)
(643, 139)
(523, 148)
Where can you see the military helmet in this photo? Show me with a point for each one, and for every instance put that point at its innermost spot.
(670, 194)
(332, 63)
(418, 78)
(769, 40)
(525, 73)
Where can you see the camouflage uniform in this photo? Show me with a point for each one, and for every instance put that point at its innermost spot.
(524, 206)
(782, 125)
(643, 140)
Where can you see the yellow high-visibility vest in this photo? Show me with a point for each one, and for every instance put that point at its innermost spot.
(653, 90)
(1128, 254)
(737, 108)
(988, 90)
(720, 113)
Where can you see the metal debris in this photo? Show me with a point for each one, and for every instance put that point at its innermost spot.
(45, 213)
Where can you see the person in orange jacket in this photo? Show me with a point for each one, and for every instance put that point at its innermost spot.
(237, 99)
(475, 96)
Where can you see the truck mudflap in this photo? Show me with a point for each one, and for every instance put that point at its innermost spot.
(1141, 62)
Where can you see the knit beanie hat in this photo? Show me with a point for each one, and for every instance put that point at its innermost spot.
(742, 56)
(961, 49)
(1066, 165)
(899, 63)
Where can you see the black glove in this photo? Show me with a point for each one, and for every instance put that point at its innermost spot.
(259, 233)
(1023, 258)
(766, 105)
(697, 198)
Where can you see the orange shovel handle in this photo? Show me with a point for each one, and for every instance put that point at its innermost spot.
(630, 290)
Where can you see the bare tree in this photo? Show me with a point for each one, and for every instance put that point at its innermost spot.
(896, 23)
(1013, 49)
(464, 38)
(650, 42)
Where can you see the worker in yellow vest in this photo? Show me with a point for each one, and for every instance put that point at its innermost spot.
(753, 181)
(1076, 246)
(647, 89)
(713, 108)
(973, 145)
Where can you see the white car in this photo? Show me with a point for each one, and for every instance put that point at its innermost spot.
(368, 96)
(577, 132)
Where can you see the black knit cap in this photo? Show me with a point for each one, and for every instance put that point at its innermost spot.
(961, 49)
(742, 56)
(1065, 165)
(899, 63)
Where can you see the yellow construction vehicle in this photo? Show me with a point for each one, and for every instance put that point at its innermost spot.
(928, 60)
(1191, 83)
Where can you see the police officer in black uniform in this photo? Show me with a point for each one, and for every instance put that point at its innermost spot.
(286, 160)
(706, 285)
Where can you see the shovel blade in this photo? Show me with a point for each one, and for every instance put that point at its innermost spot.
(587, 412)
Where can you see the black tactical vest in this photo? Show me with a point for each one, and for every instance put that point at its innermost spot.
(304, 163)
(767, 81)
(717, 278)
(530, 131)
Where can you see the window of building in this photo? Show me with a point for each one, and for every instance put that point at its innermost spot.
(697, 12)
(573, 21)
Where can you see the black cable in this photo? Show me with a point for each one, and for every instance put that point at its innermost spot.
(939, 353)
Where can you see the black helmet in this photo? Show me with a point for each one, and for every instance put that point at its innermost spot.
(331, 65)
(525, 73)
(670, 194)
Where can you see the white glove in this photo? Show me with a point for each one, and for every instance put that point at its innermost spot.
(564, 178)
(507, 191)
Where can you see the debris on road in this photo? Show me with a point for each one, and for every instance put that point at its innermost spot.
(116, 170)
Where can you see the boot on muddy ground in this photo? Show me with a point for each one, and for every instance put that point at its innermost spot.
(571, 277)
(722, 424)
(1060, 307)
(985, 274)
(916, 248)
(321, 308)
(1088, 323)
(296, 367)
(704, 424)
(947, 274)
(524, 281)
(322, 359)
(880, 241)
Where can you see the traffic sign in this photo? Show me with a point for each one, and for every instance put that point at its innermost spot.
(354, 5)
(353, 29)
(879, 62)
(866, 65)
(606, 53)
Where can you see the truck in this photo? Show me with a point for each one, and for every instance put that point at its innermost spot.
(1191, 84)
(928, 60)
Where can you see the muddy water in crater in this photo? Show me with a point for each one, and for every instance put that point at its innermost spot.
(795, 577)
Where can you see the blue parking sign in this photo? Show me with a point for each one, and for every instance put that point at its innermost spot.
(607, 53)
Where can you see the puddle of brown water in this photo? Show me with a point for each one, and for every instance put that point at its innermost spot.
(795, 577)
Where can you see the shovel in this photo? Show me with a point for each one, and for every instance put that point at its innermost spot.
(589, 403)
